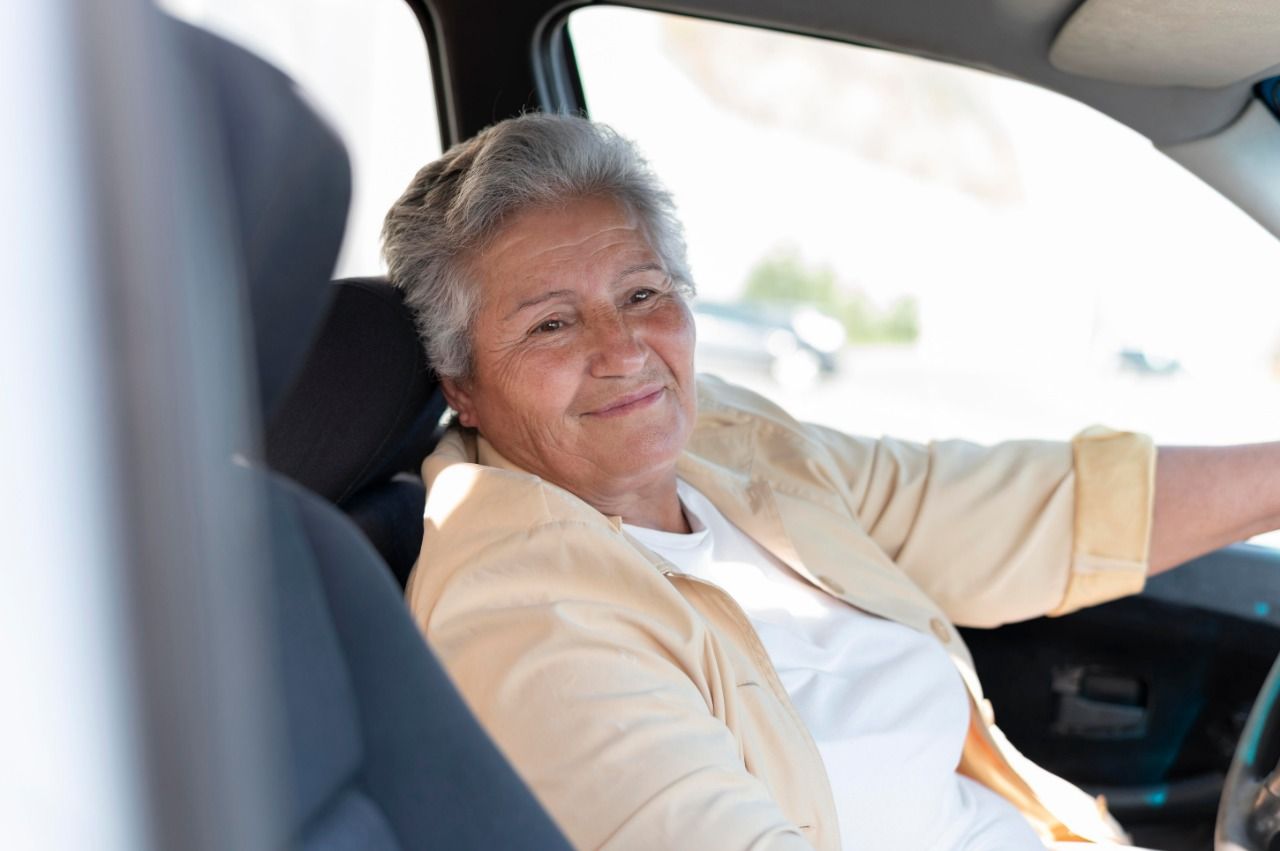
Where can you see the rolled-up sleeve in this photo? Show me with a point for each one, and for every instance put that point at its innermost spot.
(996, 534)
(1115, 496)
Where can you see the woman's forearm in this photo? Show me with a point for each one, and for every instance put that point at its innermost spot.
(1208, 497)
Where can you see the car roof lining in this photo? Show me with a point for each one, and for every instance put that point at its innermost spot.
(1009, 37)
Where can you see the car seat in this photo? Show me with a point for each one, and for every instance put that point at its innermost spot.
(381, 751)
(361, 415)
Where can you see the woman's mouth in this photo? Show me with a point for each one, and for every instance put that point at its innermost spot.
(629, 403)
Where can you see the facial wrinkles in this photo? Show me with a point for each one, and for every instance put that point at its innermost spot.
(568, 263)
(541, 393)
(590, 260)
(545, 445)
(600, 319)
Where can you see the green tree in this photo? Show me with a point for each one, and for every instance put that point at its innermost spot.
(783, 278)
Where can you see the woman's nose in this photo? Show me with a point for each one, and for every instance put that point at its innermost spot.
(616, 348)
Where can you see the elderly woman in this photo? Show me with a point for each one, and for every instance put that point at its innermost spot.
(691, 621)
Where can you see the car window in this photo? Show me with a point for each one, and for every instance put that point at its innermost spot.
(364, 65)
(893, 245)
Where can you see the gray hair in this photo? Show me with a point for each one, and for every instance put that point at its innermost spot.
(456, 205)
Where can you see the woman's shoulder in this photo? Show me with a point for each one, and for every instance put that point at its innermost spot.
(504, 529)
(729, 414)
(472, 486)
(722, 403)
(739, 429)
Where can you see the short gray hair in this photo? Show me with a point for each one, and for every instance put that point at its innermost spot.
(456, 205)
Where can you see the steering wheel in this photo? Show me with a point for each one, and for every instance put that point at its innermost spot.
(1249, 815)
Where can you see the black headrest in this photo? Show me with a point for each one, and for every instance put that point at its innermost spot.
(365, 405)
(291, 185)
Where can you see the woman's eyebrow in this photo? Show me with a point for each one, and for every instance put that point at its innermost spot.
(538, 299)
(639, 267)
(550, 295)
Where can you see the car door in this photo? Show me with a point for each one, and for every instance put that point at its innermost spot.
(1143, 699)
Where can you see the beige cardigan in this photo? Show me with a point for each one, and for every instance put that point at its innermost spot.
(639, 704)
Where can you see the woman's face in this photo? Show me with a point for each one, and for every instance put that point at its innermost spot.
(582, 365)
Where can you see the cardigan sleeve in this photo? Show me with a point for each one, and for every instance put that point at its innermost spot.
(1012, 531)
(992, 534)
(1115, 496)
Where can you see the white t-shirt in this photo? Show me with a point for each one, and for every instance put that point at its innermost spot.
(884, 703)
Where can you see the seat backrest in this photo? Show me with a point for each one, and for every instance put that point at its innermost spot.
(364, 405)
(360, 416)
(382, 752)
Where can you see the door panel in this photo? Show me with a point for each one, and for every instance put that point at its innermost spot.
(1142, 699)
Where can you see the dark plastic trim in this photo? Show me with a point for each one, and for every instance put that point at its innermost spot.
(1268, 91)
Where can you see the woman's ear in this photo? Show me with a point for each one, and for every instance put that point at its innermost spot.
(459, 398)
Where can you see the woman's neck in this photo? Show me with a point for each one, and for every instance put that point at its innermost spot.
(656, 507)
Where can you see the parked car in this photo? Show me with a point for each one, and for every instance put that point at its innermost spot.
(1142, 363)
(794, 345)
(142, 605)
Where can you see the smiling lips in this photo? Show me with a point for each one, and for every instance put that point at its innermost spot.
(630, 403)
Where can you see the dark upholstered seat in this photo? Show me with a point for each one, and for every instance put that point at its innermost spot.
(382, 753)
(360, 416)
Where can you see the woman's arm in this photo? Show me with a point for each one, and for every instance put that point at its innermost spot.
(1208, 497)
(1003, 533)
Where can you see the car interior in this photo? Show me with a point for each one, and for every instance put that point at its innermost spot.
(1145, 700)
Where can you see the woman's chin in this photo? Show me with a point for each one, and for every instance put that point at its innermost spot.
(652, 455)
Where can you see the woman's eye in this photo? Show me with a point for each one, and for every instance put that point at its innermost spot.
(642, 295)
(549, 327)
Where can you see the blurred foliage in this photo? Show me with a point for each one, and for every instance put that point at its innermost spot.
(784, 278)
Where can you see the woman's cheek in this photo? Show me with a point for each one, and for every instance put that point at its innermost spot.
(678, 328)
(553, 370)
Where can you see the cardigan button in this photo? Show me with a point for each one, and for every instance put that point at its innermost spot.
(940, 629)
(831, 585)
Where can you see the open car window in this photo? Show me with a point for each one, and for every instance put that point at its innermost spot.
(891, 245)
(364, 65)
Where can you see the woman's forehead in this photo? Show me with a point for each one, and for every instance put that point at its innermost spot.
(587, 242)
(565, 231)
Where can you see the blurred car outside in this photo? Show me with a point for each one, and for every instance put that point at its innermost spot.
(795, 344)
(1143, 362)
